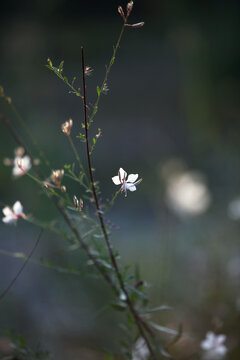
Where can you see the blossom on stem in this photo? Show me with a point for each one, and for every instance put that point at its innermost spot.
(129, 184)
(56, 178)
(21, 163)
(67, 126)
(11, 215)
(213, 346)
(140, 350)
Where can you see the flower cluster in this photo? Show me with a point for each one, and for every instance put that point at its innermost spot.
(56, 178)
(213, 346)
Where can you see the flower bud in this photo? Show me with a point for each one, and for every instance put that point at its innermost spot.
(129, 8)
(88, 71)
(57, 176)
(137, 25)
(121, 12)
(63, 189)
(67, 126)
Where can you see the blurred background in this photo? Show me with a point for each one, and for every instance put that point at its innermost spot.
(172, 115)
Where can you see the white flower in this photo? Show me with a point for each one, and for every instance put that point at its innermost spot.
(140, 350)
(11, 215)
(21, 165)
(213, 346)
(129, 184)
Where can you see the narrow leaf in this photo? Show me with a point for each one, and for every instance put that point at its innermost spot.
(98, 91)
(163, 329)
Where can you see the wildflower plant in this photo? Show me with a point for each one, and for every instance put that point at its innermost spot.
(83, 225)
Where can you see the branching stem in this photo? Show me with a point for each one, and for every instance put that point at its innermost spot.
(133, 311)
(61, 210)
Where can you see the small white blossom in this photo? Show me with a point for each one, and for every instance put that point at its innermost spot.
(213, 346)
(140, 350)
(127, 183)
(21, 165)
(11, 215)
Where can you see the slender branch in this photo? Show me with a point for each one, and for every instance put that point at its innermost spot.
(68, 221)
(137, 318)
(21, 268)
(115, 49)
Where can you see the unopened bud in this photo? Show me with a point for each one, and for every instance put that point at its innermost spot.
(137, 25)
(67, 126)
(8, 100)
(99, 133)
(129, 8)
(121, 12)
(19, 151)
(36, 162)
(57, 176)
(88, 71)
(8, 162)
(78, 204)
(75, 201)
(63, 189)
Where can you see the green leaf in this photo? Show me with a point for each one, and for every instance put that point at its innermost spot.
(49, 62)
(104, 263)
(98, 91)
(119, 307)
(60, 68)
(81, 137)
(65, 79)
(22, 341)
(163, 329)
(94, 141)
(159, 308)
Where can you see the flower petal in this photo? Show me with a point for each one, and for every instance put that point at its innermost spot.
(17, 171)
(132, 178)
(221, 350)
(17, 208)
(131, 187)
(221, 339)
(26, 163)
(122, 174)
(9, 219)
(7, 211)
(116, 180)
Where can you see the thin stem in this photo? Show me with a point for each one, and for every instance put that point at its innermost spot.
(115, 49)
(21, 268)
(32, 139)
(138, 320)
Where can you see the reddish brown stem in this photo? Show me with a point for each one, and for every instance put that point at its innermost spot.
(137, 318)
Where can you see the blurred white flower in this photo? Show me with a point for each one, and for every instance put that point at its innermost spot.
(213, 346)
(186, 191)
(140, 350)
(234, 209)
(11, 215)
(129, 184)
(21, 164)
